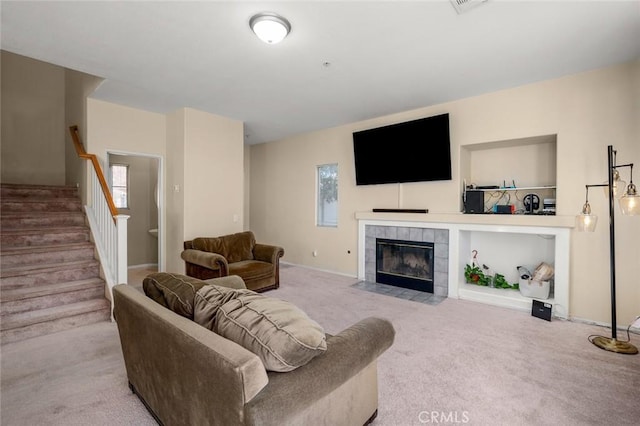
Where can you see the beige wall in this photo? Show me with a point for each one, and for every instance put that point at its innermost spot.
(205, 179)
(174, 194)
(587, 112)
(78, 87)
(33, 110)
(119, 129)
(214, 175)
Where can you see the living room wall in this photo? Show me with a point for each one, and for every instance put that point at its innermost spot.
(586, 111)
(33, 112)
(203, 163)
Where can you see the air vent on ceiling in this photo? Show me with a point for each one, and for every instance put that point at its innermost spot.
(462, 6)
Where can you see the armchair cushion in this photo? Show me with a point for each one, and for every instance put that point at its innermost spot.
(234, 247)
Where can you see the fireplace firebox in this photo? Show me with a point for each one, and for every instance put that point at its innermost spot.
(407, 264)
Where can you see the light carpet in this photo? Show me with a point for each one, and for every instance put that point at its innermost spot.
(458, 362)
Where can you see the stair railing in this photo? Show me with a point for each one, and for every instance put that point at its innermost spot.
(108, 227)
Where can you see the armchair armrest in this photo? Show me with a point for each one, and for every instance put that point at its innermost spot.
(348, 353)
(205, 259)
(267, 253)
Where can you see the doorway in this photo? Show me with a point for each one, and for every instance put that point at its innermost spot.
(138, 192)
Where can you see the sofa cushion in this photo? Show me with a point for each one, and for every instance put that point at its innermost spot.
(173, 291)
(279, 333)
(234, 247)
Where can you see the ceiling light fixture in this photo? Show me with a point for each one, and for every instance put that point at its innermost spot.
(270, 27)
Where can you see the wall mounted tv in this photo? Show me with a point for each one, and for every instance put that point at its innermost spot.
(414, 151)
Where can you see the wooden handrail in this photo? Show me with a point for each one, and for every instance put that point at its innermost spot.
(77, 143)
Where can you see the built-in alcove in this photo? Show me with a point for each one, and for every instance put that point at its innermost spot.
(526, 241)
(527, 163)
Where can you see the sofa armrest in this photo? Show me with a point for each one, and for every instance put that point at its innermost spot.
(180, 367)
(205, 259)
(230, 281)
(267, 253)
(348, 353)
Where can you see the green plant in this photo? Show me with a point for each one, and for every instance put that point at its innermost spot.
(475, 275)
(500, 282)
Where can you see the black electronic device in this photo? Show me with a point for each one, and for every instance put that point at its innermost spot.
(504, 209)
(401, 210)
(541, 310)
(531, 203)
(414, 151)
(474, 202)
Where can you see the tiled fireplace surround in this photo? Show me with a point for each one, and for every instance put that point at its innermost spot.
(439, 238)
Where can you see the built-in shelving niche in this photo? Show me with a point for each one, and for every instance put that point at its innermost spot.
(529, 162)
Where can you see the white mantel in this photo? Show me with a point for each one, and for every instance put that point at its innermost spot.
(463, 228)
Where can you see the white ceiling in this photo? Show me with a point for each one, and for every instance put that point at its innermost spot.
(385, 57)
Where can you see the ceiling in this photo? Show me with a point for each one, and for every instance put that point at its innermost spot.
(342, 62)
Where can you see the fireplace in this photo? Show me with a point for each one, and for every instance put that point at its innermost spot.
(407, 264)
(438, 237)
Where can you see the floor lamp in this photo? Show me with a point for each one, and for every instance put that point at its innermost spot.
(585, 221)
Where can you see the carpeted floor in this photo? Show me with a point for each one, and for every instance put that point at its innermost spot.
(454, 362)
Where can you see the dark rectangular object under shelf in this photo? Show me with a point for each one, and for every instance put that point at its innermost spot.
(401, 210)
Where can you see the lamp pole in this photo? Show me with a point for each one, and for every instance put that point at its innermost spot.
(612, 245)
(613, 344)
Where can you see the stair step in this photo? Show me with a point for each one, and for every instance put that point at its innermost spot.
(46, 321)
(33, 298)
(39, 205)
(46, 255)
(10, 190)
(31, 220)
(35, 275)
(24, 319)
(49, 278)
(42, 237)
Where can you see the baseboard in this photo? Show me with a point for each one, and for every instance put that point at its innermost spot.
(623, 328)
(319, 269)
(143, 266)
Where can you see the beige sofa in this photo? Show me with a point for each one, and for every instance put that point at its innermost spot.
(234, 254)
(188, 375)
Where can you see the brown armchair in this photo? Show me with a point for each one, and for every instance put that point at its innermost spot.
(236, 254)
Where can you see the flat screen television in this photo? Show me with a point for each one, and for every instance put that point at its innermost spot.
(413, 151)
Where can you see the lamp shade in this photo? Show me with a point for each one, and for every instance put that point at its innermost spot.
(630, 201)
(270, 27)
(618, 186)
(586, 222)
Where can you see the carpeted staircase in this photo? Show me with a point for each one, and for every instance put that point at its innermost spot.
(49, 278)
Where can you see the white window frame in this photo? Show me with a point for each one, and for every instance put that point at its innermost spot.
(320, 216)
(127, 187)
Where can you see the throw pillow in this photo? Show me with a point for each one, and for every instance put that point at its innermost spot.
(208, 300)
(173, 291)
(279, 333)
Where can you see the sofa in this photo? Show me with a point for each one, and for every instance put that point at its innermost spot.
(235, 254)
(186, 373)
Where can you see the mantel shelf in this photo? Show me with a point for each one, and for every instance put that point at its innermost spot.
(551, 221)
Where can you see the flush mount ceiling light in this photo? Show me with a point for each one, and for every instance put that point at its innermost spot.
(270, 27)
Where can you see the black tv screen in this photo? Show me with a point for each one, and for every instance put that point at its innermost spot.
(414, 151)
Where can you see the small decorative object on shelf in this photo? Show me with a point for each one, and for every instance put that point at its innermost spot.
(484, 276)
(536, 285)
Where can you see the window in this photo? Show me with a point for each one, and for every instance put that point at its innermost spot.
(327, 207)
(120, 185)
